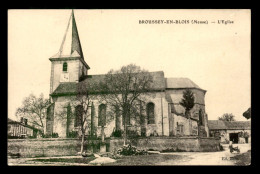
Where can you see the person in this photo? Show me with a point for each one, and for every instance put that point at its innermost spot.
(230, 144)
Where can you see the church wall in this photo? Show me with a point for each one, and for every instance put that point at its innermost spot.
(161, 106)
(73, 70)
(60, 119)
(180, 120)
(177, 95)
(156, 98)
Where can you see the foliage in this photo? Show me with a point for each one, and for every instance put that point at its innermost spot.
(128, 150)
(227, 117)
(243, 134)
(117, 133)
(72, 134)
(124, 91)
(34, 109)
(247, 113)
(188, 100)
(154, 134)
(132, 134)
(53, 135)
(173, 150)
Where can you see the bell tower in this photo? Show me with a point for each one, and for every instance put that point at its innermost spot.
(68, 65)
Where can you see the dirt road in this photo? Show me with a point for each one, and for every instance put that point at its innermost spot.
(206, 158)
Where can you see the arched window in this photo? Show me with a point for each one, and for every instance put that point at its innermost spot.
(200, 117)
(65, 67)
(102, 115)
(78, 115)
(150, 113)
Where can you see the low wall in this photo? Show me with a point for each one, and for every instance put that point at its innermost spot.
(46, 147)
(191, 144)
(69, 147)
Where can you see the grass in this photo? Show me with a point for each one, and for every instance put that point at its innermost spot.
(243, 159)
(67, 160)
(143, 160)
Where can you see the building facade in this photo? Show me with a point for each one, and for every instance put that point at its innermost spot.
(235, 131)
(20, 129)
(164, 116)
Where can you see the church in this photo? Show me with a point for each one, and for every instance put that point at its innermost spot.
(164, 115)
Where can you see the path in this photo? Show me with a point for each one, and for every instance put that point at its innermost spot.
(206, 158)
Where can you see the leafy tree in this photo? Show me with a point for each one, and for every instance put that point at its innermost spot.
(124, 91)
(187, 101)
(247, 113)
(34, 109)
(227, 117)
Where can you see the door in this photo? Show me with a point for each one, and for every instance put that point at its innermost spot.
(233, 137)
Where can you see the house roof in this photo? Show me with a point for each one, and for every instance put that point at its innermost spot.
(228, 125)
(10, 121)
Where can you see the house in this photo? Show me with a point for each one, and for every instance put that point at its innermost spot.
(164, 115)
(236, 131)
(21, 129)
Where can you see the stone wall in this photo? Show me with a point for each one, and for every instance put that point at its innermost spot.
(44, 147)
(170, 143)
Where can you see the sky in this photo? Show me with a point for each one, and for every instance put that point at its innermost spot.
(217, 57)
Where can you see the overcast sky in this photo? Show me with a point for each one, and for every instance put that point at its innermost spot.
(214, 56)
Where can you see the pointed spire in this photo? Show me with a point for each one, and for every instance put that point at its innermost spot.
(70, 46)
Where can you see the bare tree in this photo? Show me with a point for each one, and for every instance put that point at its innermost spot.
(84, 104)
(34, 109)
(124, 89)
(227, 117)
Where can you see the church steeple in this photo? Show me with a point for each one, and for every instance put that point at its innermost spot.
(70, 46)
(68, 65)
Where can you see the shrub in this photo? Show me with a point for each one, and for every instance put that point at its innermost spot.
(73, 134)
(117, 133)
(53, 135)
(128, 150)
(132, 133)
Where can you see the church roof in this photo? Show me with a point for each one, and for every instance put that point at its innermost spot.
(223, 125)
(68, 88)
(70, 46)
(159, 83)
(180, 83)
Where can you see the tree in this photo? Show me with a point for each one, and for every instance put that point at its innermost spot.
(84, 105)
(227, 117)
(187, 101)
(124, 91)
(34, 109)
(247, 113)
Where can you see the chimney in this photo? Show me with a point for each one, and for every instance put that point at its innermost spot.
(21, 119)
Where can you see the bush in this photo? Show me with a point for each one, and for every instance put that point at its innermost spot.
(53, 135)
(73, 134)
(117, 133)
(132, 133)
(128, 150)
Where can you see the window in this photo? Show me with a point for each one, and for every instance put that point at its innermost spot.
(200, 117)
(65, 66)
(102, 115)
(180, 129)
(78, 115)
(150, 113)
